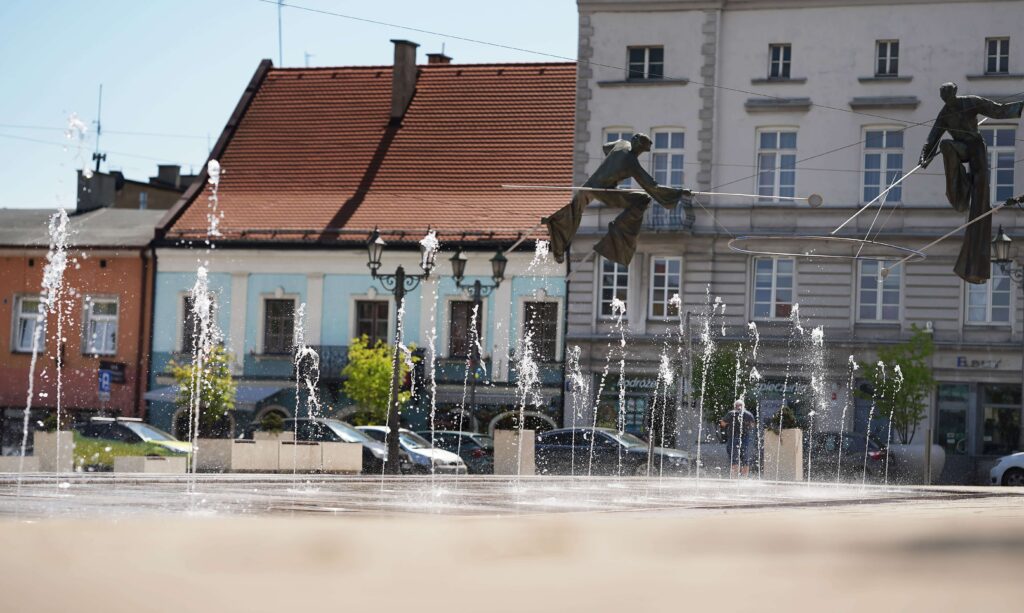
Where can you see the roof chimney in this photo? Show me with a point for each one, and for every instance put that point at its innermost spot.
(438, 58)
(169, 174)
(403, 78)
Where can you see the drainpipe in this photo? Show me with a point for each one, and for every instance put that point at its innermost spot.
(150, 266)
(565, 332)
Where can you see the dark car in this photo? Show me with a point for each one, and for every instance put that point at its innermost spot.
(131, 430)
(567, 451)
(476, 450)
(824, 460)
(326, 430)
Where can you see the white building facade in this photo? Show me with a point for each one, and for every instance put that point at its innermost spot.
(787, 98)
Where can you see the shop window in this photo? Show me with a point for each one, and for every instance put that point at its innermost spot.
(951, 425)
(1000, 415)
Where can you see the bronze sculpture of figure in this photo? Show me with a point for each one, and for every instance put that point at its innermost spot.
(621, 162)
(967, 190)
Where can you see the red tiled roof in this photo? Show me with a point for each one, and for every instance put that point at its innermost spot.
(311, 137)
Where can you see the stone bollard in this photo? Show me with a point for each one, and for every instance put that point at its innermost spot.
(506, 453)
(784, 456)
(44, 447)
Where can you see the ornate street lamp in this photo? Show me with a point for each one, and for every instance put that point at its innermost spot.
(478, 291)
(398, 284)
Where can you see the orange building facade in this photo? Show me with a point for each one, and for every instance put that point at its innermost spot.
(106, 301)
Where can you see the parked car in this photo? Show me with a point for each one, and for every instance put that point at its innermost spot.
(1009, 470)
(418, 448)
(824, 456)
(568, 450)
(325, 430)
(131, 430)
(476, 450)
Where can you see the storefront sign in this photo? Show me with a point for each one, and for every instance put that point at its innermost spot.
(963, 361)
(633, 384)
(116, 370)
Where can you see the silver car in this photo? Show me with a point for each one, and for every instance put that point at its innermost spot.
(418, 448)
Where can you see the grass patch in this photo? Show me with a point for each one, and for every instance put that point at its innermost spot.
(99, 454)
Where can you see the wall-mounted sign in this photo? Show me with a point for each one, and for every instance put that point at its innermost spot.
(116, 370)
(963, 361)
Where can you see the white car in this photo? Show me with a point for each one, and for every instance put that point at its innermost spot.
(1009, 470)
(418, 448)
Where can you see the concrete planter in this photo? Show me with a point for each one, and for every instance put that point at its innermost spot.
(506, 452)
(44, 445)
(13, 463)
(150, 464)
(231, 455)
(284, 435)
(346, 458)
(784, 455)
(301, 456)
(907, 463)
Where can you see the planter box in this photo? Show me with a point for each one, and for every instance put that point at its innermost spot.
(149, 464)
(44, 445)
(301, 456)
(506, 453)
(341, 458)
(230, 455)
(784, 455)
(284, 435)
(12, 464)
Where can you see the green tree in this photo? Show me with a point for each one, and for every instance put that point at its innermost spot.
(721, 385)
(906, 401)
(368, 380)
(216, 390)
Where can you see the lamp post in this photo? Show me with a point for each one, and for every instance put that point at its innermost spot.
(477, 290)
(398, 284)
(1001, 255)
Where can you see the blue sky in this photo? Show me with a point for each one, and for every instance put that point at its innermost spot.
(173, 71)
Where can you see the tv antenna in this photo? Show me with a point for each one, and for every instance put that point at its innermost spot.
(97, 156)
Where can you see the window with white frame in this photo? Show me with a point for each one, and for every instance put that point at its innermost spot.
(776, 164)
(614, 285)
(646, 63)
(542, 321)
(667, 166)
(888, 58)
(666, 282)
(100, 326)
(878, 299)
(27, 315)
(779, 57)
(616, 134)
(773, 287)
(883, 163)
(989, 302)
(997, 56)
(1001, 144)
(278, 325)
(461, 333)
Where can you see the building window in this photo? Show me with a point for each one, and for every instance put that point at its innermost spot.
(666, 281)
(997, 56)
(460, 340)
(989, 302)
(883, 164)
(779, 57)
(616, 134)
(953, 403)
(776, 164)
(614, 284)
(190, 323)
(667, 163)
(773, 288)
(888, 54)
(646, 62)
(878, 299)
(278, 325)
(542, 321)
(1001, 143)
(28, 314)
(100, 326)
(1001, 419)
(372, 320)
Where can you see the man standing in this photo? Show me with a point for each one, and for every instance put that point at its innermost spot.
(620, 163)
(967, 190)
(738, 425)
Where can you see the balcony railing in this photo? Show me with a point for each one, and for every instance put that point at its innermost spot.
(660, 218)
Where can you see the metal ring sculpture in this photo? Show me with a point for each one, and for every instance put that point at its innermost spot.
(895, 251)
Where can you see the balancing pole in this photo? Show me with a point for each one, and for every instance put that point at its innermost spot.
(813, 199)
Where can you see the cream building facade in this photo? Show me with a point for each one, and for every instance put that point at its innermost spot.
(788, 98)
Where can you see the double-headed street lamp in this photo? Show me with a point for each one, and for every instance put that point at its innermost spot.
(478, 291)
(398, 284)
(1001, 256)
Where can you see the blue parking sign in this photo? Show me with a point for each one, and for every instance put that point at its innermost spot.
(105, 377)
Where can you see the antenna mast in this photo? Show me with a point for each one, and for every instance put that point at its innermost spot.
(280, 53)
(97, 156)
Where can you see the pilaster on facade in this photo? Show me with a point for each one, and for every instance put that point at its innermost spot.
(708, 94)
